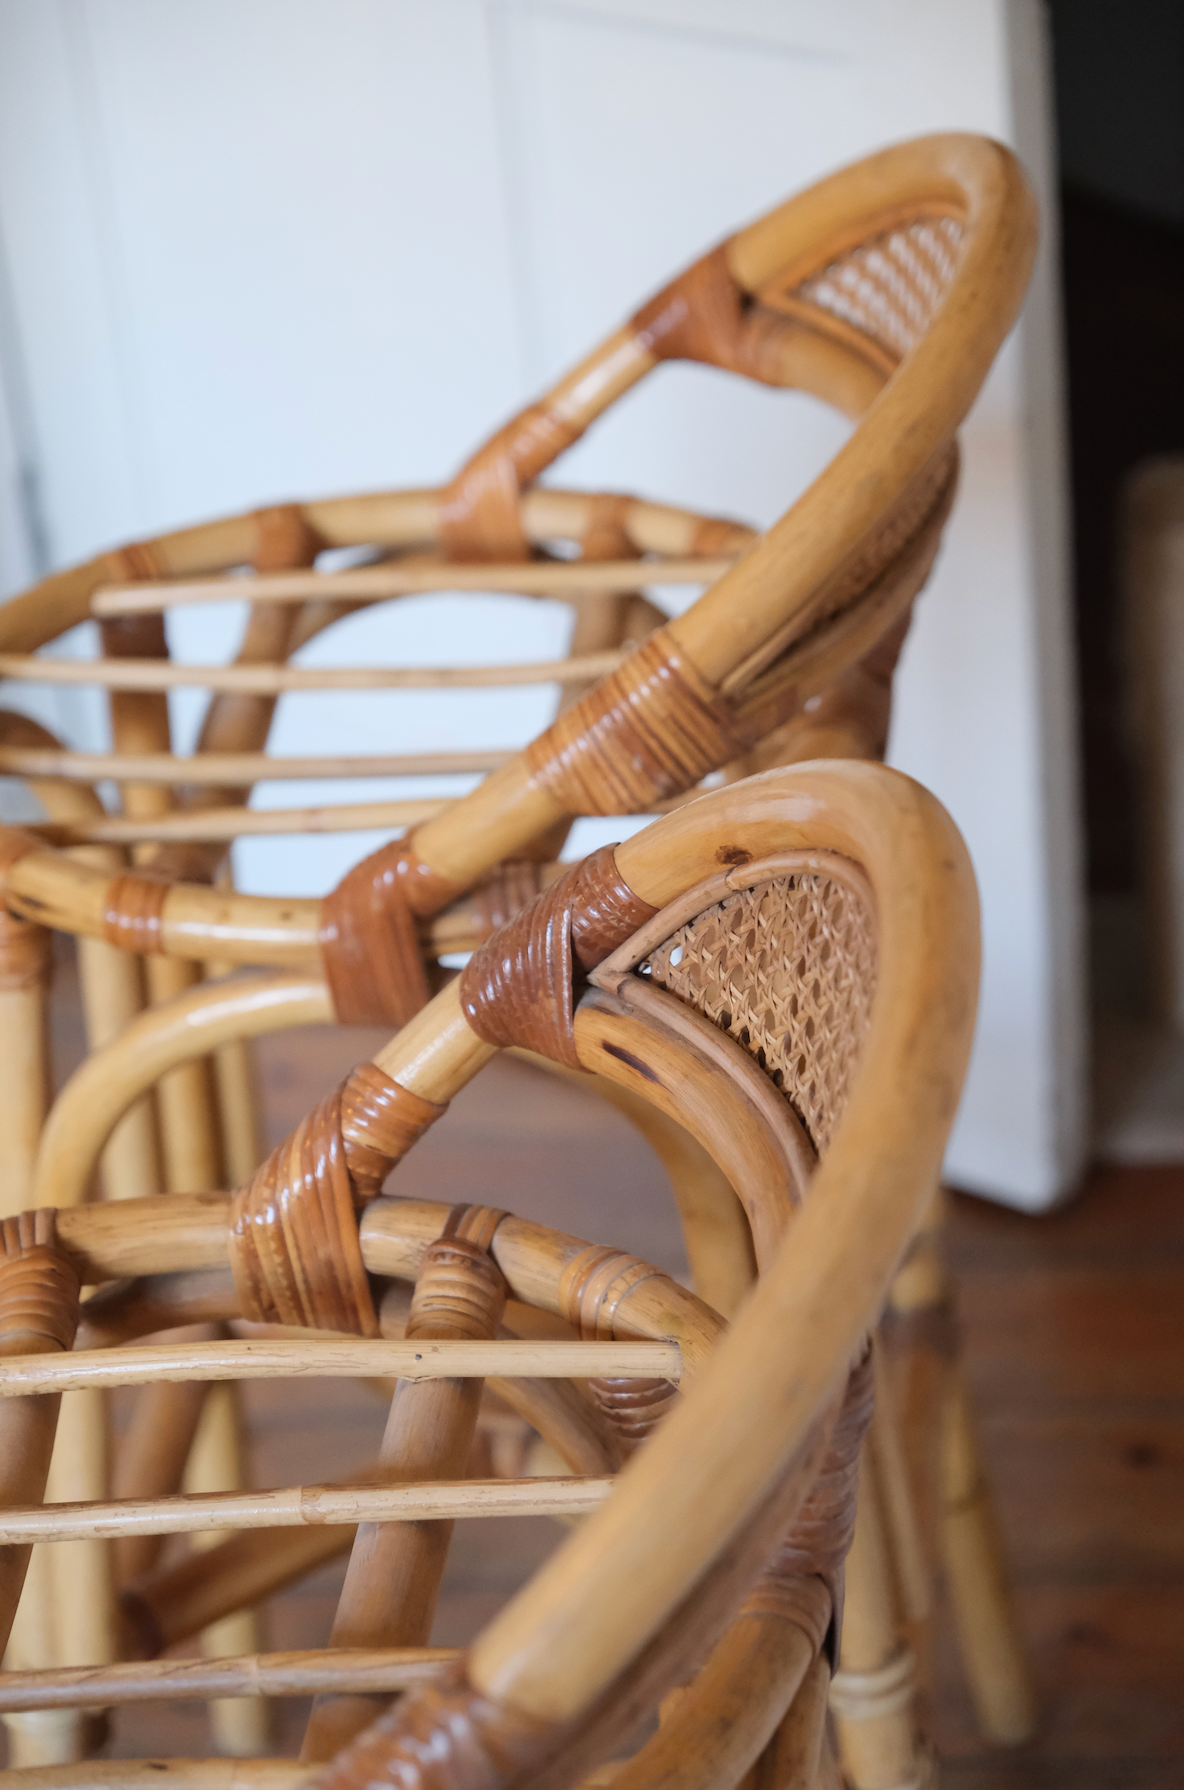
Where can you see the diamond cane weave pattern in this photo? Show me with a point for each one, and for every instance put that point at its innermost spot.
(788, 969)
(891, 287)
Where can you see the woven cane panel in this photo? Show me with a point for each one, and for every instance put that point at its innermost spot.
(891, 287)
(788, 969)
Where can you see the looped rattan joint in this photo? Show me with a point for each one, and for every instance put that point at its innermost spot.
(518, 988)
(39, 1283)
(294, 1246)
(369, 941)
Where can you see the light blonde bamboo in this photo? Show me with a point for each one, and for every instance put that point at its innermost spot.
(873, 1693)
(108, 1082)
(64, 1523)
(185, 1095)
(296, 1674)
(25, 1091)
(151, 676)
(336, 1358)
(198, 770)
(715, 1230)
(177, 1774)
(241, 1726)
(996, 1664)
(375, 584)
(153, 1449)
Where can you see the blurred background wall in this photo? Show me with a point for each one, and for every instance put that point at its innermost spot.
(256, 249)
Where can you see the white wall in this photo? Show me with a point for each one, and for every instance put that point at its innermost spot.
(260, 248)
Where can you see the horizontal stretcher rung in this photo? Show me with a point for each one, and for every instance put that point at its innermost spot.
(220, 769)
(213, 824)
(344, 1669)
(300, 1506)
(344, 1357)
(376, 583)
(274, 680)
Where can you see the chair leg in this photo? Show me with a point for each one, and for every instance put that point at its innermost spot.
(241, 1725)
(952, 1491)
(993, 1654)
(872, 1695)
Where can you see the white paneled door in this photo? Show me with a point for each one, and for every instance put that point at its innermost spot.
(256, 249)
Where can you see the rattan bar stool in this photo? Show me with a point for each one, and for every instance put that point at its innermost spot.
(617, 968)
(888, 287)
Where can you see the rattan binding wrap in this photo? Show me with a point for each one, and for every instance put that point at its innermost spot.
(294, 1245)
(518, 988)
(38, 1282)
(369, 944)
(788, 969)
(26, 953)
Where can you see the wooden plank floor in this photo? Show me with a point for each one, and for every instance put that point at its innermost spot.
(1074, 1338)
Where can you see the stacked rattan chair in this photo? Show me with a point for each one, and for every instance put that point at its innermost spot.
(716, 1564)
(885, 290)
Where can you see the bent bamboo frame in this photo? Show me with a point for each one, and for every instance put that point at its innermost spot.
(376, 584)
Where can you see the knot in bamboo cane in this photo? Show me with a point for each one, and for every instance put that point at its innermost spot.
(369, 942)
(38, 1285)
(519, 986)
(133, 907)
(819, 1538)
(444, 1736)
(26, 952)
(294, 1246)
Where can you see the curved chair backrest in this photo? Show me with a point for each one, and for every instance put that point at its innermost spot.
(885, 289)
(788, 965)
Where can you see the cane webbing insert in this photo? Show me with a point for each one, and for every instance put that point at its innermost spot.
(518, 988)
(889, 288)
(38, 1284)
(788, 969)
(294, 1246)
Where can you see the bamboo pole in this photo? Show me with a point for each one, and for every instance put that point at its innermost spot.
(296, 1674)
(156, 677)
(375, 584)
(241, 1726)
(212, 770)
(293, 1506)
(344, 1357)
